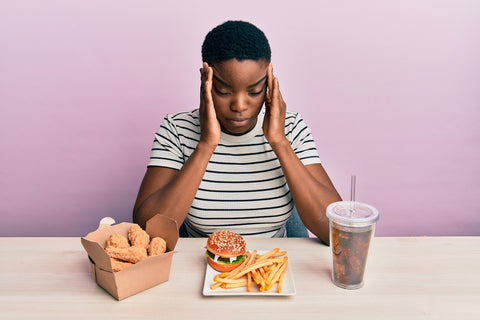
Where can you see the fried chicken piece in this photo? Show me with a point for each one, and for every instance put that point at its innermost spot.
(138, 237)
(157, 246)
(117, 241)
(119, 265)
(130, 254)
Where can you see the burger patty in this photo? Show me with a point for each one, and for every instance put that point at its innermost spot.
(226, 260)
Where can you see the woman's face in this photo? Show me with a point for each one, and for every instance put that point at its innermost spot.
(238, 92)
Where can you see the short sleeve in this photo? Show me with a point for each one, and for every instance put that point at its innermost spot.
(301, 139)
(166, 149)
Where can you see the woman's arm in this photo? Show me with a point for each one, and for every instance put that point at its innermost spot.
(311, 189)
(310, 186)
(171, 192)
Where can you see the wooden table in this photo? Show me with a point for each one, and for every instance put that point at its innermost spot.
(406, 278)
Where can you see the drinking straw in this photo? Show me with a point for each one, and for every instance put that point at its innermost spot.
(352, 193)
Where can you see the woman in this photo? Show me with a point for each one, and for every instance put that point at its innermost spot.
(230, 164)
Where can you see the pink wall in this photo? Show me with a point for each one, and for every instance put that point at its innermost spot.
(391, 92)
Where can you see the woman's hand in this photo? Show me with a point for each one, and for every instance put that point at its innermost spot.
(275, 111)
(209, 125)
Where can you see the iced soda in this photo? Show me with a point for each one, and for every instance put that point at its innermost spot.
(351, 230)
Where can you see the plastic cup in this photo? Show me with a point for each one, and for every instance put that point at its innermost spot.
(350, 234)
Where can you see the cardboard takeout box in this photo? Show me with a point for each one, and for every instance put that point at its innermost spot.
(143, 275)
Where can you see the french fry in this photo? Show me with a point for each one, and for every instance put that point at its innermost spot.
(238, 284)
(256, 277)
(262, 273)
(280, 254)
(253, 266)
(229, 283)
(224, 280)
(271, 275)
(277, 273)
(249, 282)
(268, 254)
(251, 258)
(280, 282)
(262, 270)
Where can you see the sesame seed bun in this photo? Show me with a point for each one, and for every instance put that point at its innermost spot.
(225, 244)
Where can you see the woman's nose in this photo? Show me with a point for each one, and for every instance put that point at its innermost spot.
(239, 103)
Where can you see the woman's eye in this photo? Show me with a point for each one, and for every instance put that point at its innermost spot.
(256, 93)
(219, 92)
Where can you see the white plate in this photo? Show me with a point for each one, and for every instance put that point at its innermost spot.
(210, 273)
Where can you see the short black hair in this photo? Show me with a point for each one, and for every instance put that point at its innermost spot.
(235, 40)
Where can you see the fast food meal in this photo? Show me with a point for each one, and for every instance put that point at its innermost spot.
(225, 250)
(260, 271)
(227, 253)
(126, 252)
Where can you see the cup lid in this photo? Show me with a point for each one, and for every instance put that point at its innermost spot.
(341, 212)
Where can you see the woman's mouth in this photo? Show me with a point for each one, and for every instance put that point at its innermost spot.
(238, 125)
(238, 122)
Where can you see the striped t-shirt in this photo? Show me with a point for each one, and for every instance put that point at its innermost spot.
(243, 189)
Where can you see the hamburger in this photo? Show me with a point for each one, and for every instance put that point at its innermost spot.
(225, 250)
